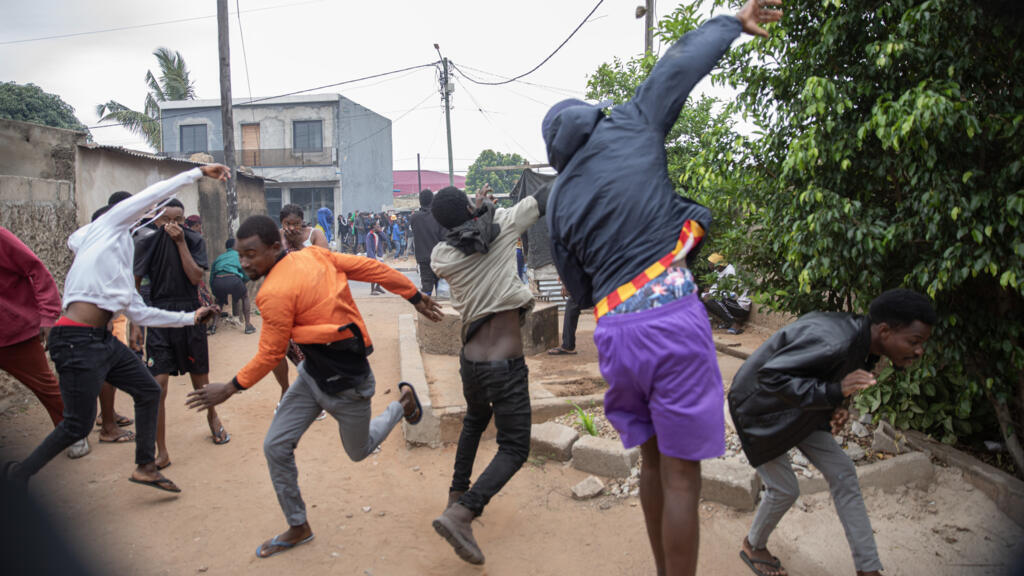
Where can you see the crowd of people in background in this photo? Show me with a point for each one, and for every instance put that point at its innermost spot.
(391, 229)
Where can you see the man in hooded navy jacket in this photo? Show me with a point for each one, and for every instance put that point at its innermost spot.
(653, 335)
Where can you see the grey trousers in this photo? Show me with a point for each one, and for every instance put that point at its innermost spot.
(299, 408)
(782, 490)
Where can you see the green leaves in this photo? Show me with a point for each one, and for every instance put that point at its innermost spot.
(501, 181)
(29, 103)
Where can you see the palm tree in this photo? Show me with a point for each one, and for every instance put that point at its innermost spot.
(174, 84)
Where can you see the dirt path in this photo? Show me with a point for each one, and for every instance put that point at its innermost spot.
(228, 505)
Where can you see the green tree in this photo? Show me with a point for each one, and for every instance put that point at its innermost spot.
(892, 154)
(29, 103)
(174, 83)
(501, 181)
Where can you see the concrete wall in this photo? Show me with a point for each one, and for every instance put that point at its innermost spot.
(101, 172)
(365, 158)
(214, 209)
(172, 120)
(38, 151)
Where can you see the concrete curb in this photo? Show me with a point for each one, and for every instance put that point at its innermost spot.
(1004, 490)
(733, 351)
(913, 468)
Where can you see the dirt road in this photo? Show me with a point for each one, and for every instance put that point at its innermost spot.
(227, 507)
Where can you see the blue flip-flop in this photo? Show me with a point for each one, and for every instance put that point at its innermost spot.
(416, 398)
(282, 546)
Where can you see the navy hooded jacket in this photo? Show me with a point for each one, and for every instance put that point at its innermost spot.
(613, 211)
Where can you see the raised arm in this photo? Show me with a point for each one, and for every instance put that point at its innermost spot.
(125, 213)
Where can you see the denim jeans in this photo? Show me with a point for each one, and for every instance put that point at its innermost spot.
(498, 389)
(85, 358)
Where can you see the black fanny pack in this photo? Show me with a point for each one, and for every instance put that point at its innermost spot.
(338, 366)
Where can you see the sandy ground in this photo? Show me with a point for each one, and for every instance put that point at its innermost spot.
(228, 506)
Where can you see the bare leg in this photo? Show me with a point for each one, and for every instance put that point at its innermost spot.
(109, 429)
(680, 525)
(245, 312)
(216, 428)
(163, 459)
(281, 375)
(293, 535)
(651, 499)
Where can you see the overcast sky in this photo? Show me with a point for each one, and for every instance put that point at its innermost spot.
(299, 44)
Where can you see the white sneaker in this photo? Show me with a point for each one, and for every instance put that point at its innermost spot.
(323, 414)
(79, 449)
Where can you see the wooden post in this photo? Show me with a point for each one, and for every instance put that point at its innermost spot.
(226, 117)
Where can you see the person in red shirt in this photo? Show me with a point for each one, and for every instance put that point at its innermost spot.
(306, 297)
(30, 306)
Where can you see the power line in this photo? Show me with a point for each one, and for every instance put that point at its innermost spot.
(149, 25)
(555, 89)
(544, 61)
(296, 92)
(488, 118)
(245, 57)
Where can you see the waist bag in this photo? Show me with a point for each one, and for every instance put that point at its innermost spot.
(340, 365)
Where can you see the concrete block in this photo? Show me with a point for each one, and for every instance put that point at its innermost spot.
(913, 468)
(552, 441)
(812, 485)
(539, 331)
(588, 488)
(603, 457)
(730, 482)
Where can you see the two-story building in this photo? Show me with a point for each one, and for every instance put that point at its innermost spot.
(313, 150)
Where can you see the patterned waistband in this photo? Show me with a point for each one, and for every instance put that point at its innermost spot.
(689, 236)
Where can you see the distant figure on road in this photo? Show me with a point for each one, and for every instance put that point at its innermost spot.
(426, 233)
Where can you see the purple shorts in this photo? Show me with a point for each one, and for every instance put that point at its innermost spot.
(663, 379)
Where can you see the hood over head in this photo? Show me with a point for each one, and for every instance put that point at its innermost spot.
(566, 128)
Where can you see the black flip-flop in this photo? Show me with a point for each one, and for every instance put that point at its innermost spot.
(162, 483)
(559, 351)
(121, 421)
(415, 397)
(774, 563)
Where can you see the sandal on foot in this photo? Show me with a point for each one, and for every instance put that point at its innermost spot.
(160, 483)
(559, 351)
(416, 416)
(735, 331)
(163, 466)
(250, 329)
(280, 545)
(121, 421)
(222, 437)
(124, 436)
(323, 414)
(775, 564)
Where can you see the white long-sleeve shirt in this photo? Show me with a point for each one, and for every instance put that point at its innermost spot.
(104, 255)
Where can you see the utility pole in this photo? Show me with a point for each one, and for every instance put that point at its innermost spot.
(446, 91)
(226, 118)
(649, 27)
(419, 177)
(647, 13)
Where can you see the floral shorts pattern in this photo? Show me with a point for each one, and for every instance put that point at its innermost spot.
(671, 285)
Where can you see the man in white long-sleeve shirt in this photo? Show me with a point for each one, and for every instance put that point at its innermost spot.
(99, 285)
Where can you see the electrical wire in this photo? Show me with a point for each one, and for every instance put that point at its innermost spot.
(149, 25)
(544, 61)
(554, 89)
(488, 118)
(253, 101)
(245, 57)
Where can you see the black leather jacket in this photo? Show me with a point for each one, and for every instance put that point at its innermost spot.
(790, 386)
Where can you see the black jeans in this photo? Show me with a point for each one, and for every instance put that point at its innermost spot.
(569, 324)
(427, 278)
(85, 358)
(498, 388)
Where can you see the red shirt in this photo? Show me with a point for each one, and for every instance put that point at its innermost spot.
(28, 295)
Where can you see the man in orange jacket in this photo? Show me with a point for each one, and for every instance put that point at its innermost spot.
(306, 298)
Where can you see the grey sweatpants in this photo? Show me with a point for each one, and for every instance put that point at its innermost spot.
(299, 408)
(782, 490)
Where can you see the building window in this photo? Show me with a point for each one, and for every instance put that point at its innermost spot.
(311, 200)
(307, 136)
(273, 196)
(193, 138)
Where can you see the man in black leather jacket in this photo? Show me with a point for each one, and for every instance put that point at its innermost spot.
(790, 392)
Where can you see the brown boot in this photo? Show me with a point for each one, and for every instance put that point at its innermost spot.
(453, 497)
(456, 526)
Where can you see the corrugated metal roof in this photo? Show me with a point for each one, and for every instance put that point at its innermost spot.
(156, 157)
